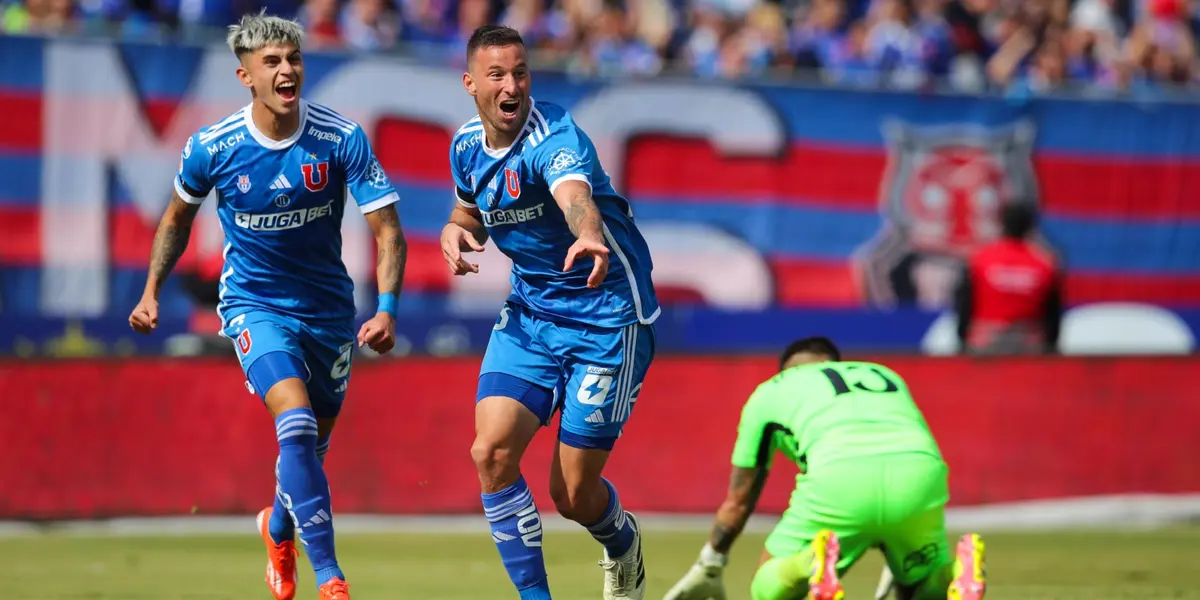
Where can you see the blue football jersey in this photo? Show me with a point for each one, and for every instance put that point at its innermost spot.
(280, 205)
(513, 189)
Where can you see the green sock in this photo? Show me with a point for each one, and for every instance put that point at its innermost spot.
(782, 578)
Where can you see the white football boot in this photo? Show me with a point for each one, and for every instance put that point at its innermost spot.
(625, 576)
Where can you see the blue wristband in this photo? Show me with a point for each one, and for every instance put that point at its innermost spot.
(387, 304)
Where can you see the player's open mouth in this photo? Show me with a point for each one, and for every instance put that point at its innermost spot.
(509, 108)
(286, 90)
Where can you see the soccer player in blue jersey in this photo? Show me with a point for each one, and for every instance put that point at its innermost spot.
(283, 170)
(575, 335)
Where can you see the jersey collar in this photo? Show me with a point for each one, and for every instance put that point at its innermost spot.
(501, 152)
(269, 143)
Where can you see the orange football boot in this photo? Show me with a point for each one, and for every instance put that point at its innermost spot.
(281, 560)
(334, 589)
(970, 572)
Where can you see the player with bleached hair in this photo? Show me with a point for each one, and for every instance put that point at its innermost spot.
(283, 170)
(872, 476)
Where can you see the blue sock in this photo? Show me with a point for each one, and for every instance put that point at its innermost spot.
(281, 526)
(517, 531)
(613, 530)
(304, 490)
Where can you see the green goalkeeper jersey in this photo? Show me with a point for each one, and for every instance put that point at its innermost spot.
(825, 412)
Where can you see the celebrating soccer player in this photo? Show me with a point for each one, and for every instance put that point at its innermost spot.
(576, 333)
(872, 476)
(283, 170)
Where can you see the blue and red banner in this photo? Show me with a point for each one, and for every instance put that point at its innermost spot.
(784, 205)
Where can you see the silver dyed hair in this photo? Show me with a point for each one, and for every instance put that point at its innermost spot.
(255, 32)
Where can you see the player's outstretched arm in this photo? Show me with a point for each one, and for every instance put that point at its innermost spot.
(574, 198)
(379, 333)
(745, 486)
(470, 219)
(464, 232)
(170, 242)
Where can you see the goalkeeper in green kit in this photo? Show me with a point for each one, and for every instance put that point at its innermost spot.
(872, 476)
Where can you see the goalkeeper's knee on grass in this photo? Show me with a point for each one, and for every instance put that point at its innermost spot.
(781, 578)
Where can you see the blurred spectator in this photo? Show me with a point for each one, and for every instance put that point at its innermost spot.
(1023, 47)
(1009, 296)
(320, 21)
(611, 46)
(894, 46)
(1161, 48)
(370, 25)
(710, 28)
(39, 17)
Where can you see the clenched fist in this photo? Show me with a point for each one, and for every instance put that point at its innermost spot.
(144, 317)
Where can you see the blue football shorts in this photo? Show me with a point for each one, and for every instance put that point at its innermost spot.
(592, 374)
(273, 347)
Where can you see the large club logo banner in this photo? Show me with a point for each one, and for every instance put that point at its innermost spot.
(783, 205)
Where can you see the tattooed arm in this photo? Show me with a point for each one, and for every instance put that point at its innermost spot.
(392, 249)
(379, 332)
(705, 578)
(471, 220)
(170, 242)
(574, 197)
(745, 485)
(583, 217)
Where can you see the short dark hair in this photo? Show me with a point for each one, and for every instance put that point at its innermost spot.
(818, 345)
(492, 35)
(1017, 219)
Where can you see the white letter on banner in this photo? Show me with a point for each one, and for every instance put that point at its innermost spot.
(93, 121)
(370, 89)
(736, 122)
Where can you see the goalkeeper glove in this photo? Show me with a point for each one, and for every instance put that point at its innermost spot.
(702, 581)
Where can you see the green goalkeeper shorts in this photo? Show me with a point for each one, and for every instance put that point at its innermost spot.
(895, 503)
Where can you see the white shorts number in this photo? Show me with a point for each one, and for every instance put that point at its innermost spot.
(341, 366)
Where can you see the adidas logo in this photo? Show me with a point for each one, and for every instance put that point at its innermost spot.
(320, 517)
(596, 417)
(281, 183)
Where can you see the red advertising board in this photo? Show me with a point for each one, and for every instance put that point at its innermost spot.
(158, 437)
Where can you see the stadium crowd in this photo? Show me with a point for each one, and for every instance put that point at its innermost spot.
(1021, 46)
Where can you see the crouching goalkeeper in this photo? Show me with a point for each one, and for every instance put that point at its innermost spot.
(872, 476)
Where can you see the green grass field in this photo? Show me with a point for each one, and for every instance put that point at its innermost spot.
(1068, 566)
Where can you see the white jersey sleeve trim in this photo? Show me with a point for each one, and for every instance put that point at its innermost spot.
(375, 205)
(569, 177)
(631, 278)
(186, 197)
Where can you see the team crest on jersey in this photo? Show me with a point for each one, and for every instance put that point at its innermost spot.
(563, 160)
(941, 198)
(244, 342)
(316, 175)
(243, 183)
(282, 200)
(512, 181)
(376, 175)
